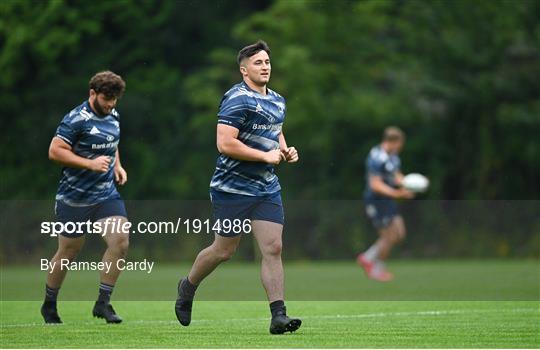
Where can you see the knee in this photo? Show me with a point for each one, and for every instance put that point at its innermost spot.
(400, 234)
(123, 246)
(403, 234)
(69, 252)
(274, 248)
(224, 254)
(120, 245)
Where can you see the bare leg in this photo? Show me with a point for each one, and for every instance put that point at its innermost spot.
(390, 236)
(373, 259)
(207, 260)
(268, 235)
(384, 242)
(401, 231)
(68, 248)
(222, 249)
(117, 247)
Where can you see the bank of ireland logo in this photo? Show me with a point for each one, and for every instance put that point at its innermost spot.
(110, 138)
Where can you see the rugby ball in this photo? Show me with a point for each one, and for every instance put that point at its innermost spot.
(415, 183)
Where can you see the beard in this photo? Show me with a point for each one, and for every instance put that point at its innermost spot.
(99, 108)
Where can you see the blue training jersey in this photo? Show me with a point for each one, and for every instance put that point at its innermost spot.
(383, 164)
(259, 119)
(89, 136)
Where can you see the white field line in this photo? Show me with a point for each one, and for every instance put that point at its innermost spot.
(317, 317)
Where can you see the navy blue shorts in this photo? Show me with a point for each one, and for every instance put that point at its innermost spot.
(381, 211)
(235, 206)
(67, 213)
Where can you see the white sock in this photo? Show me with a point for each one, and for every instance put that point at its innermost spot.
(378, 266)
(372, 253)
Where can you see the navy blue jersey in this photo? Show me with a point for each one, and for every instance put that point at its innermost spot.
(89, 136)
(383, 164)
(259, 119)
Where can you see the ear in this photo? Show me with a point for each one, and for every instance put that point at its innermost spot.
(92, 94)
(243, 70)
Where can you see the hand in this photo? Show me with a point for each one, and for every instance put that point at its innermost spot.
(273, 157)
(120, 175)
(404, 194)
(100, 164)
(290, 155)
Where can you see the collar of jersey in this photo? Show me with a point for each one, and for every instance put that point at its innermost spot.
(90, 110)
(256, 92)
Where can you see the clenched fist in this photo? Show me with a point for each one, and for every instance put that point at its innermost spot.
(290, 154)
(273, 157)
(100, 164)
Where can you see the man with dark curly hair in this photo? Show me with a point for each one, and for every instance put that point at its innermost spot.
(86, 145)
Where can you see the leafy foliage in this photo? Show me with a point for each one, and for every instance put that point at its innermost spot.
(459, 76)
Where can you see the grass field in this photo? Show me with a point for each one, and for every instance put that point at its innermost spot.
(434, 304)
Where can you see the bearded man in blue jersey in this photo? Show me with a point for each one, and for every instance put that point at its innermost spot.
(86, 145)
(244, 185)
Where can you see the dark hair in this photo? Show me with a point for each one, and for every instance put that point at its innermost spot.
(108, 83)
(251, 50)
(393, 133)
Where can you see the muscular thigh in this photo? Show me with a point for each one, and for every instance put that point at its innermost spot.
(268, 235)
(398, 226)
(114, 229)
(73, 244)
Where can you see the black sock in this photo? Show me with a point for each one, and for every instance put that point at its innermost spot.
(51, 294)
(105, 291)
(188, 289)
(277, 307)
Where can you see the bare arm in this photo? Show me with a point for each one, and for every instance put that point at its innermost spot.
(282, 143)
(229, 145)
(378, 186)
(398, 177)
(289, 154)
(62, 153)
(117, 161)
(120, 174)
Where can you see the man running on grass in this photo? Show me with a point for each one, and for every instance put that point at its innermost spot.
(383, 177)
(245, 186)
(86, 145)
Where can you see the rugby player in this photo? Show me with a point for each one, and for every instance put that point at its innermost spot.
(244, 185)
(86, 145)
(383, 177)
